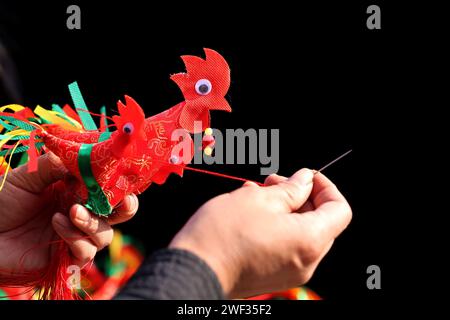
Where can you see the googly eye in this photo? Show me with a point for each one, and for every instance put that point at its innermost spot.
(173, 159)
(203, 87)
(128, 128)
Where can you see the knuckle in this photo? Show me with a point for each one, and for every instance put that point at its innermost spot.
(273, 179)
(310, 252)
(306, 275)
(105, 240)
(57, 169)
(92, 225)
(86, 254)
(291, 193)
(301, 270)
(91, 255)
(348, 212)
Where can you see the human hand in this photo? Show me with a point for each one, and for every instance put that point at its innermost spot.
(30, 221)
(262, 239)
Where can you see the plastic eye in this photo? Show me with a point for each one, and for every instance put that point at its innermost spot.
(128, 128)
(203, 87)
(173, 159)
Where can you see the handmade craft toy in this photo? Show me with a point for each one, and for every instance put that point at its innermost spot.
(107, 165)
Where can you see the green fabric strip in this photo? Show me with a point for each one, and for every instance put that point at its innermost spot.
(35, 120)
(302, 294)
(79, 103)
(105, 120)
(104, 136)
(43, 120)
(20, 149)
(18, 123)
(7, 126)
(114, 268)
(97, 201)
(3, 295)
(23, 159)
(57, 108)
(6, 136)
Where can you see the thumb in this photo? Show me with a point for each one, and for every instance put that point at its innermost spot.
(50, 170)
(294, 191)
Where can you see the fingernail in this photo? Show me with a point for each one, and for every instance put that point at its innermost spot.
(134, 202)
(304, 177)
(82, 214)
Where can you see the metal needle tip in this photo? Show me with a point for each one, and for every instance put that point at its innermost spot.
(335, 160)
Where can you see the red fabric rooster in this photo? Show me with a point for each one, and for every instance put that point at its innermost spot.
(139, 152)
(105, 166)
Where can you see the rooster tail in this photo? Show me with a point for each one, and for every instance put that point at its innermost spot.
(18, 129)
(21, 132)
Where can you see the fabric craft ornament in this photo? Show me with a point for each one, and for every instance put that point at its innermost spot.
(106, 166)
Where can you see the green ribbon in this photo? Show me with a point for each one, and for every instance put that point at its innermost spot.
(3, 295)
(104, 136)
(9, 137)
(97, 201)
(16, 122)
(78, 101)
(23, 159)
(57, 108)
(21, 149)
(6, 125)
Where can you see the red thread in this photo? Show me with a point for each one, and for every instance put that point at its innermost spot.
(95, 114)
(217, 174)
(223, 175)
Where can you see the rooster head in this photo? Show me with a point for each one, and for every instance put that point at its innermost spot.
(204, 86)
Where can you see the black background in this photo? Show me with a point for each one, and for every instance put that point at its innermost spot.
(314, 71)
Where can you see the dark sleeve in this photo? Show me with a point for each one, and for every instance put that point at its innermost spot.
(173, 274)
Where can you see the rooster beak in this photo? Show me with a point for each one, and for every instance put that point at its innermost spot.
(221, 104)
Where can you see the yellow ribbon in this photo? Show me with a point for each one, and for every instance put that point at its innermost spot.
(54, 118)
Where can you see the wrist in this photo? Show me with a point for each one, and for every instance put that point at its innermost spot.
(225, 272)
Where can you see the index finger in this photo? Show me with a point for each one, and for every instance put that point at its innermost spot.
(333, 213)
(125, 211)
(324, 190)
